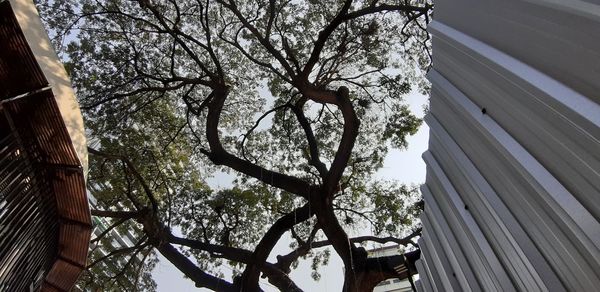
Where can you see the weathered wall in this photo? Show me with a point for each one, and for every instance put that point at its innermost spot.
(513, 167)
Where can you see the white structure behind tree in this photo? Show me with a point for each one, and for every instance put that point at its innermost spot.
(390, 285)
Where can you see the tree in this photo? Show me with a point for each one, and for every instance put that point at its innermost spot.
(299, 100)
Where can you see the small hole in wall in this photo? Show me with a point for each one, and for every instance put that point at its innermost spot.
(483, 111)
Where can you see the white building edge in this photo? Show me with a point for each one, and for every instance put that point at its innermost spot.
(394, 284)
(512, 195)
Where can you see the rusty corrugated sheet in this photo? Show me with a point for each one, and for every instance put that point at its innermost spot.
(45, 222)
(71, 238)
(41, 125)
(19, 73)
(63, 274)
(71, 200)
(49, 288)
(44, 138)
(29, 229)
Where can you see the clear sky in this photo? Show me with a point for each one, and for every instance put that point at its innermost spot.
(405, 166)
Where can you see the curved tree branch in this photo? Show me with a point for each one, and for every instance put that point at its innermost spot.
(275, 275)
(343, 16)
(219, 156)
(257, 123)
(267, 243)
(262, 40)
(407, 240)
(201, 278)
(312, 141)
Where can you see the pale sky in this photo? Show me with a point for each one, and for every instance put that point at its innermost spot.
(405, 166)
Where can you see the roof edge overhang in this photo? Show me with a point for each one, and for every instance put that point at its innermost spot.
(55, 73)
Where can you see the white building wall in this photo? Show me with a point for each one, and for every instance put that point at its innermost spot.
(512, 195)
(390, 285)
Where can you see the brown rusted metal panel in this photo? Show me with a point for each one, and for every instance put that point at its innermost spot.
(28, 225)
(40, 123)
(73, 243)
(62, 276)
(48, 288)
(47, 146)
(45, 223)
(19, 72)
(71, 199)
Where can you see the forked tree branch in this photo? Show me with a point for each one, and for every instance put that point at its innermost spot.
(219, 156)
(201, 278)
(268, 242)
(275, 275)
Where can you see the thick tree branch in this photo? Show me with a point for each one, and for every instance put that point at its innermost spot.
(274, 274)
(219, 156)
(315, 160)
(342, 155)
(407, 240)
(324, 211)
(201, 278)
(267, 243)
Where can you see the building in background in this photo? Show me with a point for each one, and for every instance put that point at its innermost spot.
(45, 221)
(119, 269)
(391, 285)
(512, 194)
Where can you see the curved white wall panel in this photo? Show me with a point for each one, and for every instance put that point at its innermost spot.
(512, 196)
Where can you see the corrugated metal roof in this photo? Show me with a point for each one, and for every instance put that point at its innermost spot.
(34, 117)
(19, 73)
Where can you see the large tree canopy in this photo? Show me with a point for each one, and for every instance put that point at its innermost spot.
(299, 100)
